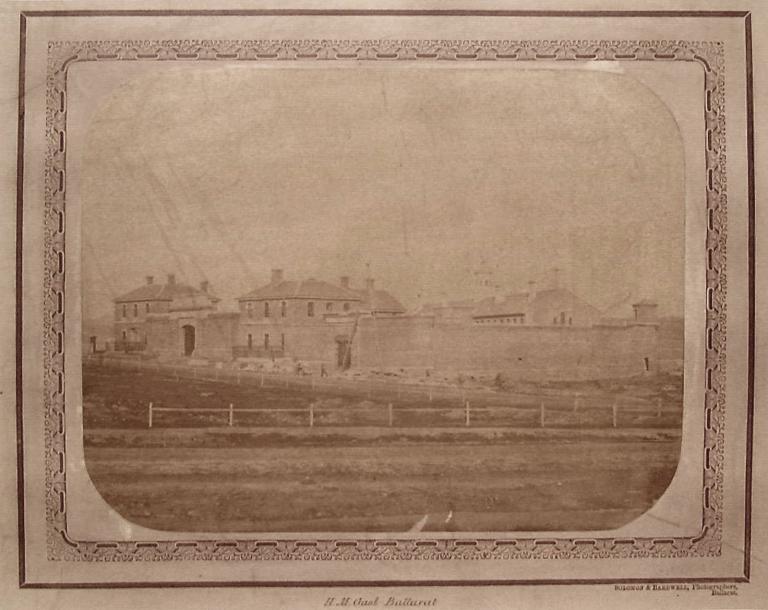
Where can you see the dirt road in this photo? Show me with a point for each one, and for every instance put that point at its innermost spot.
(384, 485)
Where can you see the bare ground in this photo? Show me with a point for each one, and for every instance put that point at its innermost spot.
(208, 477)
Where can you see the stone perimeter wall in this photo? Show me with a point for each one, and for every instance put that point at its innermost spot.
(416, 342)
(523, 352)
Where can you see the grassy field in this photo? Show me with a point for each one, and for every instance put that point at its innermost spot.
(192, 473)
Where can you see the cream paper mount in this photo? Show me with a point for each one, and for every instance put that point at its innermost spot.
(62, 55)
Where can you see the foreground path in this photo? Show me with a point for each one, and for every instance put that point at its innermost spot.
(341, 483)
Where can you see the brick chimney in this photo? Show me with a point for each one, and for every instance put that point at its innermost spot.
(204, 286)
(277, 276)
(369, 283)
(171, 279)
(344, 281)
(150, 280)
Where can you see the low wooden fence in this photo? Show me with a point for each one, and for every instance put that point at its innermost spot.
(391, 402)
(312, 411)
(382, 390)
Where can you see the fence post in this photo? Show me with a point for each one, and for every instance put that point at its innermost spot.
(311, 415)
(541, 413)
(389, 408)
(150, 414)
(466, 413)
(576, 404)
(231, 415)
(615, 409)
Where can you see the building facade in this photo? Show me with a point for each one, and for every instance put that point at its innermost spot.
(550, 333)
(141, 314)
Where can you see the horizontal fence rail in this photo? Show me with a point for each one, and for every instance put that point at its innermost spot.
(312, 411)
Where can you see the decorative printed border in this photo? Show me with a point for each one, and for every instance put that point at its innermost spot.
(61, 55)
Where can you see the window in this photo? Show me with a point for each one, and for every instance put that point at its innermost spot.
(283, 309)
(266, 309)
(125, 310)
(554, 320)
(346, 306)
(329, 307)
(570, 321)
(125, 335)
(249, 309)
(310, 309)
(266, 340)
(562, 317)
(282, 340)
(135, 310)
(250, 341)
(146, 307)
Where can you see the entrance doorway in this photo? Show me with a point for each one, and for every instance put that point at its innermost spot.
(189, 339)
(343, 354)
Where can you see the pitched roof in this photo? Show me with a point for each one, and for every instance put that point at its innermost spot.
(509, 305)
(306, 289)
(380, 300)
(147, 292)
(200, 300)
(163, 292)
(556, 297)
(559, 297)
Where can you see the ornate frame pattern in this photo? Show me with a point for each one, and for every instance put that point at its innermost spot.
(62, 55)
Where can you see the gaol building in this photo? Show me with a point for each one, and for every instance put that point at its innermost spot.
(549, 333)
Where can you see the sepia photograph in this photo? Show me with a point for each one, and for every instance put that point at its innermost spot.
(418, 300)
(343, 305)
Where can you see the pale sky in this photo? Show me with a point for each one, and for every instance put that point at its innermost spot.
(416, 176)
